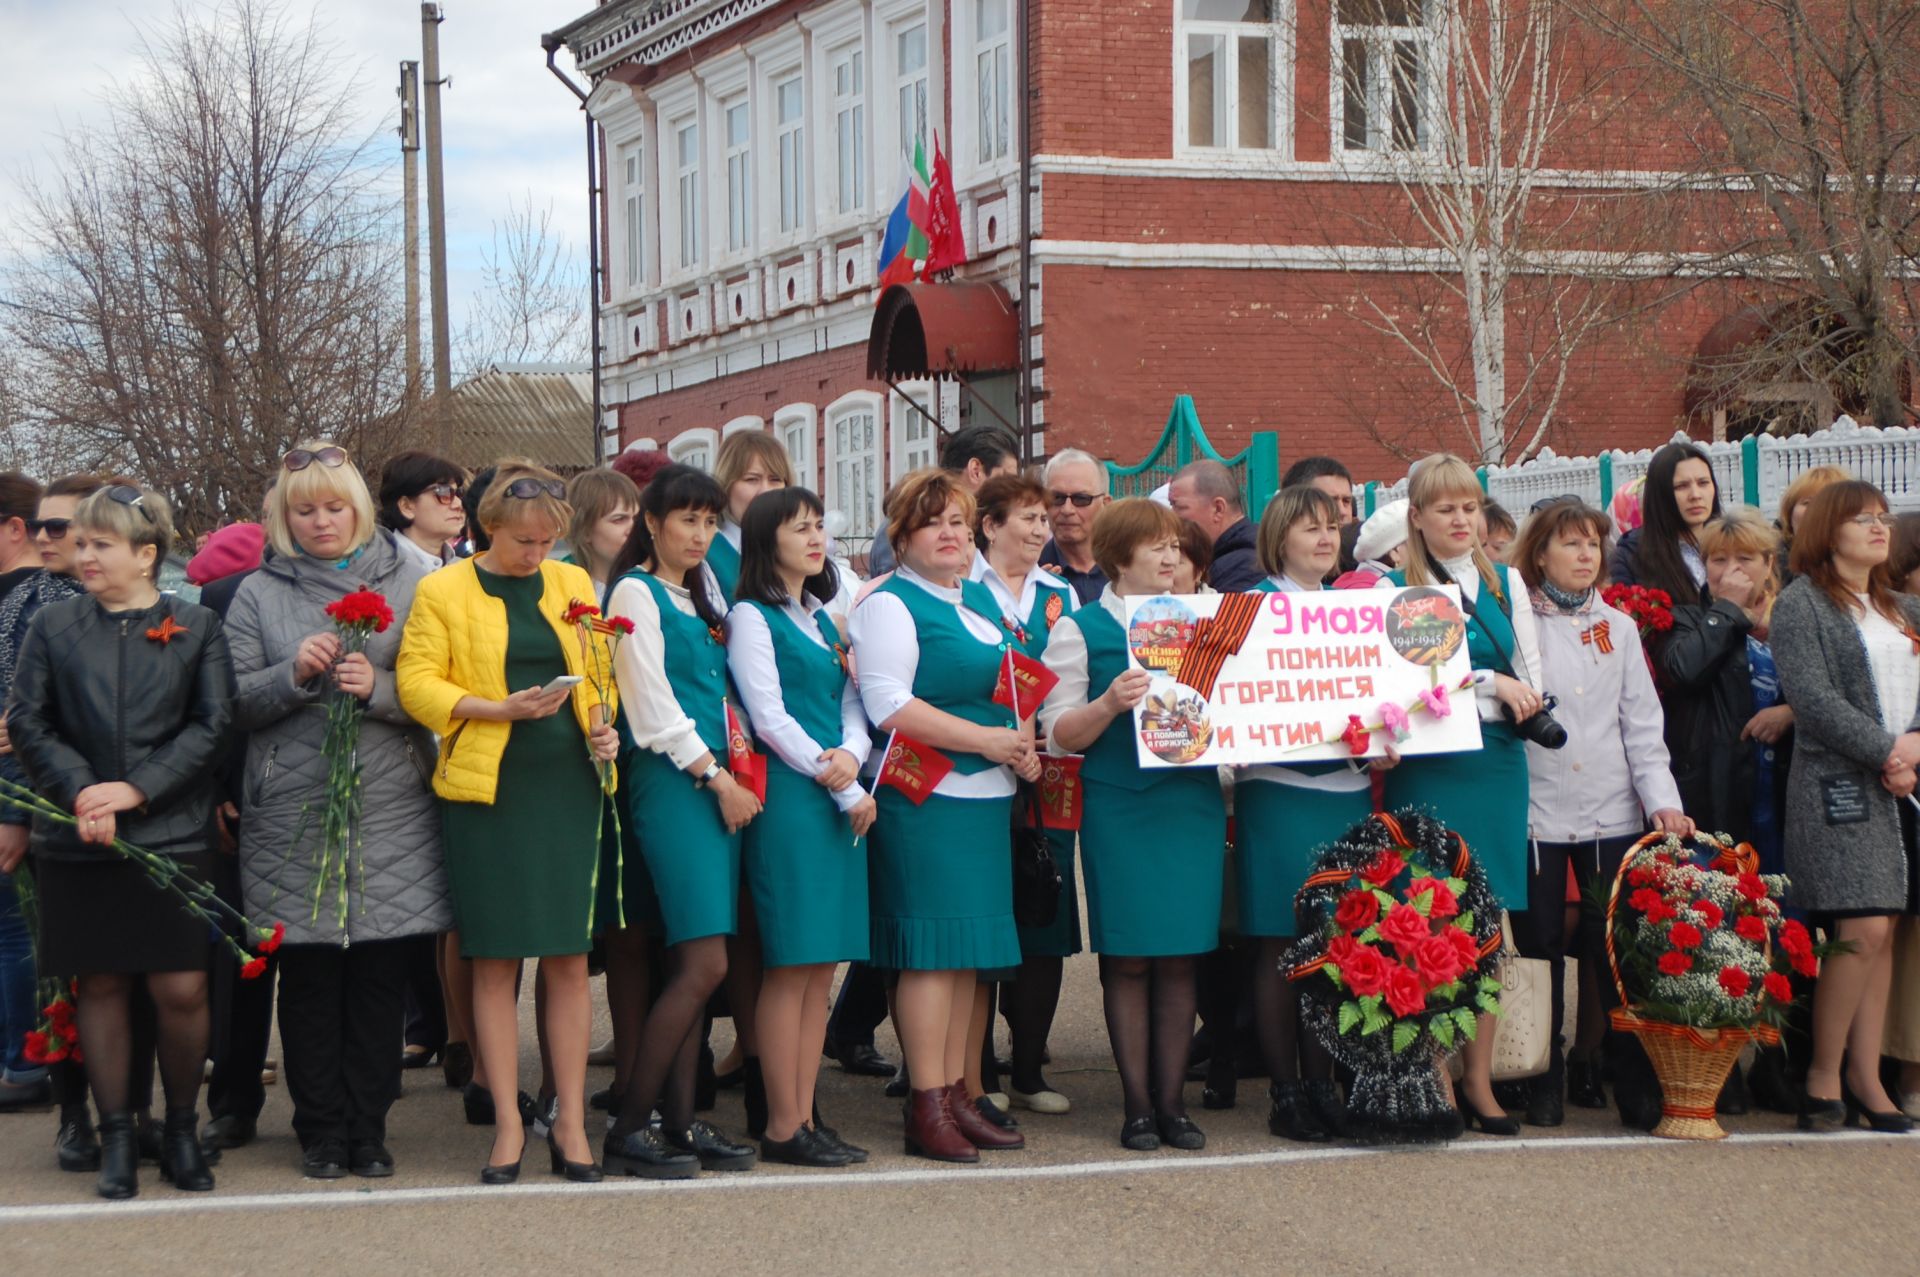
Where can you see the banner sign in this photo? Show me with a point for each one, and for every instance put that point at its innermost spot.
(1301, 678)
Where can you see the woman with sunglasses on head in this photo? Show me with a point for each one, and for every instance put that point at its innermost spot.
(491, 662)
(686, 811)
(119, 711)
(422, 500)
(343, 965)
(805, 856)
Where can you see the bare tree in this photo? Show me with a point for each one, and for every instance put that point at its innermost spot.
(1798, 126)
(211, 275)
(531, 304)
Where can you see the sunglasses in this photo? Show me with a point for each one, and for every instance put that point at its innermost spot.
(528, 489)
(1081, 500)
(300, 458)
(56, 529)
(127, 494)
(444, 493)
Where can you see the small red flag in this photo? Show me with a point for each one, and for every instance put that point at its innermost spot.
(1060, 793)
(1034, 679)
(946, 242)
(912, 768)
(748, 768)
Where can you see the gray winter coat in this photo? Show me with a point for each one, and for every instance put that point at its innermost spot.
(1843, 843)
(397, 880)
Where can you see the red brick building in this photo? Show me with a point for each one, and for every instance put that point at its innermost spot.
(1195, 167)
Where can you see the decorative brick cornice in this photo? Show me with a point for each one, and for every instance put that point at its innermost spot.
(651, 31)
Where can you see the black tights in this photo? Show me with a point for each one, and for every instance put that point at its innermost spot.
(1276, 1018)
(1029, 1001)
(670, 1037)
(104, 1014)
(1150, 1010)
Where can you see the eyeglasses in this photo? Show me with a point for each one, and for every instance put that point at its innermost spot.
(1874, 520)
(444, 493)
(56, 529)
(528, 489)
(1081, 500)
(1547, 503)
(300, 458)
(127, 494)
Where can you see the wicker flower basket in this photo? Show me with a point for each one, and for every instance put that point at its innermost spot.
(1692, 1064)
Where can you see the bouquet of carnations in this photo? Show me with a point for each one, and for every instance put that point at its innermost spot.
(599, 636)
(356, 617)
(1650, 610)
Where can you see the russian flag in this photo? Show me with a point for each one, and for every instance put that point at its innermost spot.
(906, 239)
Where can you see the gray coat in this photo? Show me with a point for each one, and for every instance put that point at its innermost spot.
(397, 880)
(1843, 843)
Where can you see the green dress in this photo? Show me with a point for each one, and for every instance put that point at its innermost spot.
(805, 868)
(941, 873)
(522, 868)
(1480, 795)
(1154, 840)
(1278, 830)
(692, 862)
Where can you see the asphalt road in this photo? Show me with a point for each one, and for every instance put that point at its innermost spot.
(1583, 1198)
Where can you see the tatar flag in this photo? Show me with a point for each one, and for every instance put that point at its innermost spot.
(912, 768)
(748, 768)
(946, 244)
(905, 242)
(1033, 680)
(1060, 792)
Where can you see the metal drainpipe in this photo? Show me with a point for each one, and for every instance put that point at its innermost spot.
(1026, 232)
(552, 47)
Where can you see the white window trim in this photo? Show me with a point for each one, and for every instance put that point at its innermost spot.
(675, 104)
(776, 58)
(836, 29)
(855, 401)
(723, 109)
(690, 441)
(1282, 60)
(726, 80)
(625, 121)
(742, 425)
(805, 418)
(901, 413)
(882, 70)
(1337, 89)
(962, 148)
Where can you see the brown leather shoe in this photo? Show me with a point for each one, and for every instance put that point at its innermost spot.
(978, 1130)
(931, 1132)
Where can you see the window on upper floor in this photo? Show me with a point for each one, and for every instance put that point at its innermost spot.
(739, 157)
(686, 172)
(793, 425)
(1386, 53)
(850, 129)
(790, 134)
(853, 462)
(633, 207)
(992, 77)
(1234, 64)
(910, 84)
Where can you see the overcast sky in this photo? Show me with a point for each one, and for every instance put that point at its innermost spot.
(509, 127)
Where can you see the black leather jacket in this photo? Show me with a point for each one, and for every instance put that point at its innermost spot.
(1706, 689)
(95, 699)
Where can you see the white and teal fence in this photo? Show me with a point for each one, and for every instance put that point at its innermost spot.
(1756, 470)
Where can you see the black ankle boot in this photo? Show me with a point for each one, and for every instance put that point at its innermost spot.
(182, 1162)
(1293, 1116)
(119, 1157)
(1584, 1087)
(755, 1094)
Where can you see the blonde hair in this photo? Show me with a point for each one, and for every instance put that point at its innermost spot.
(739, 452)
(1436, 478)
(494, 512)
(595, 494)
(147, 521)
(1805, 487)
(1126, 525)
(316, 483)
(921, 498)
(1746, 531)
(1288, 507)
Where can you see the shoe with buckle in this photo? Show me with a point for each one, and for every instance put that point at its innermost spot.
(645, 1153)
(715, 1151)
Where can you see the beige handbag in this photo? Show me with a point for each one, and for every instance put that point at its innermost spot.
(1523, 1032)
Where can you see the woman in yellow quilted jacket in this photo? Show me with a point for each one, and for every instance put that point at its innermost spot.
(485, 662)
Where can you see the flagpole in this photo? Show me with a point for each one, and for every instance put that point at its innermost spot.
(886, 752)
(1013, 689)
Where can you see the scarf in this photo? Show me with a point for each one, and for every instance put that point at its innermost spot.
(1567, 603)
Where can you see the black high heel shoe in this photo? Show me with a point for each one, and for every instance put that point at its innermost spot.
(1892, 1122)
(505, 1172)
(1820, 1115)
(573, 1172)
(1491, 1125)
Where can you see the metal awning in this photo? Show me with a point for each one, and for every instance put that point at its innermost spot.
(943, 330)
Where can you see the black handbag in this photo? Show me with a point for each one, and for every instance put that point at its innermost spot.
(1036, 876)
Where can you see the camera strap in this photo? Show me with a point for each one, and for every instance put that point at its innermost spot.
(1473, 613)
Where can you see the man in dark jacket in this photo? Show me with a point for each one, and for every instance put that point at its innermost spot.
(1205, 494)
(22, 1084)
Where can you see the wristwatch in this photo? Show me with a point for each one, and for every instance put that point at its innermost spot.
(705, 778)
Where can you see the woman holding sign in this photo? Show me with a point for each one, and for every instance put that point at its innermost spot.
(1153, 838)
(931, 653)
(1010, 531)
(1481, 796)
(685, 810)
(805, 857)
(1284, 813)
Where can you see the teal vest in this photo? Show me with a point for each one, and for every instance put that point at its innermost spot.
(812, 678)
(1492, 622)
(696, 666)
(1037, 627)
(957, 672)
(725, 562)
(1113, 758)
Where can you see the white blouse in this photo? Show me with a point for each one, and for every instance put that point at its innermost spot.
(1015, 609)
(756, 672)
(1895, 666)
(652, 712)
(886, 649)
(1526, 660)
(1066, 657)
(731, 531)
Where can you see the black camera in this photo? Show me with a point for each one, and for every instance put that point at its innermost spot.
(1542, 728)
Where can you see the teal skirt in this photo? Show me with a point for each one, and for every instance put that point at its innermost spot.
(1061, 938)
(807, 874)
(625, 897)
(691, 859)
(1278, 831)
(942, 884)
(1480, 795)
(1155, 866)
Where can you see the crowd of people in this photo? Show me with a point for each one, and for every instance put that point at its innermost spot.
(540, 782)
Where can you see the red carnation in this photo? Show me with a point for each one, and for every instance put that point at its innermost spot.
(1674, 962)
(579, 610)
(1804, 964)
(271, 944)
(254, 969)
(1795, 939)
(1660, 911)
(1750, 886)
(1359, 909)
(1383, 868)
(1365, 972)
(1644, 899)
(1404, 928)
(1640, 876)
(1710, 914)
(361, 608)
(622, 624)
(1405, 993)
(1444, 904)
(36, 1047)
(1684, 935)
(1735, 981)
(1778, 987)
(1750, 929)
(1440, 962)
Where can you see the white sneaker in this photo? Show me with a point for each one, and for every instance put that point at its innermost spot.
(1908, 1102)
(1048, 1102)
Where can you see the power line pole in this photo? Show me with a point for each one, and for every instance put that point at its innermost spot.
(410, 179)
(437, 229)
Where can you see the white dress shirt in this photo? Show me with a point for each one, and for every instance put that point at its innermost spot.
(1016, 609)
(1066, 657)
(886, 649)
(756, 673)
(652, 711)
(1894, 663)
(1526, 660)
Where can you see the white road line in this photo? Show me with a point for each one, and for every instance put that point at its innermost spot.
(177, 1204)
